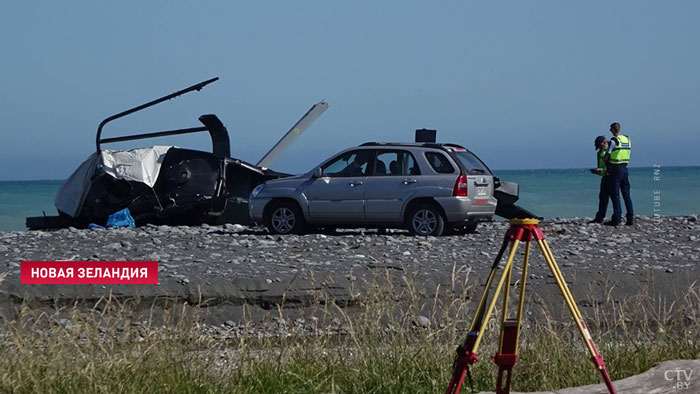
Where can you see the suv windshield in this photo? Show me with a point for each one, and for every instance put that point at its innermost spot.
(471, 163)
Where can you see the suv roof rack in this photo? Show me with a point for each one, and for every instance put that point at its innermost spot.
(374, 143)
(420, 144)
(459, 147)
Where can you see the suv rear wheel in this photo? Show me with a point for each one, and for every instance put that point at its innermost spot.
(425, 219)
(285, 218)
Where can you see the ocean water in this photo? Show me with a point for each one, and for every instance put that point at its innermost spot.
(548, 193)
(19, 199)
(574, 192)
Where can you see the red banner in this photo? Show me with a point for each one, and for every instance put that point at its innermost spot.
(89, 272)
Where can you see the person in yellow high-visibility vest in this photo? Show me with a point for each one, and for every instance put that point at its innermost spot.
(601, 144)
(617, 158)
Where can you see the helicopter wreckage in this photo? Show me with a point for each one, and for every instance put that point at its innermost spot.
(166, 184)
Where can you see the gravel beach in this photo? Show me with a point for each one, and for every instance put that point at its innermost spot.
(226, 267)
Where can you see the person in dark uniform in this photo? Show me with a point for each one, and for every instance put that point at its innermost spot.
(601, 144)
(617, 157)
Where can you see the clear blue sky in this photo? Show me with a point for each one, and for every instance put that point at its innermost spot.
(525, 84)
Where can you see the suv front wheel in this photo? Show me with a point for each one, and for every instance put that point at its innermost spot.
(425, 219)
(285, 218)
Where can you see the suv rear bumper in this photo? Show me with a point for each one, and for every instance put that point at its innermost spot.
(466, 209)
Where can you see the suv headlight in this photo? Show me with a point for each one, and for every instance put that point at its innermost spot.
(257, 190)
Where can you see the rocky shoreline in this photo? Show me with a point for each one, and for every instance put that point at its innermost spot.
(225, 268)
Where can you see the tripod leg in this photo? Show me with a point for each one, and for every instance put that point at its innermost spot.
(576, 314)
(556, 272)
(506, 298)
(510, 332)
(466, 355)
(478, 316)
(505, 357)
(523, 279)
(499, 286)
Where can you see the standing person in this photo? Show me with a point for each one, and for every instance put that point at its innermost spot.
(617, 158)
(601, 144)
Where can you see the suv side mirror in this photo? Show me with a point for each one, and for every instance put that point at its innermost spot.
(318, 172)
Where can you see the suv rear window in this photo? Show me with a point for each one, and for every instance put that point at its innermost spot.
(439, 162)
(471, 163)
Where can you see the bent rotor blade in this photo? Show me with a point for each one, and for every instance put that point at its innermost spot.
(299, 127)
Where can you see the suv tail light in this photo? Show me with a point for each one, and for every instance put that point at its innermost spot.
(460, 186)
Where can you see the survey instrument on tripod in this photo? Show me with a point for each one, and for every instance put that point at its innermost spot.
(520, 231)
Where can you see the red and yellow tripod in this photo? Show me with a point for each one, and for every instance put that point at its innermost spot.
(521, 230)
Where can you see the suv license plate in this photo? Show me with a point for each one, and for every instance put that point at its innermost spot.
(481, 191)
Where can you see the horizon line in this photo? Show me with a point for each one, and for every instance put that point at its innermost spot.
(493, 170)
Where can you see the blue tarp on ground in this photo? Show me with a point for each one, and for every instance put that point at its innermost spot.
(117, 219)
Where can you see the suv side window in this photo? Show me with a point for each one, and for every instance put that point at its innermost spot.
(439, 162)
(349, 164)
(395, 163)
(410, 165)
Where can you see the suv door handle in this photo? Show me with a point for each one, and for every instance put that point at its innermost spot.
(407, 181)
(355, 183)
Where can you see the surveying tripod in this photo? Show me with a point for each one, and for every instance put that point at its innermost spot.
(521, 230)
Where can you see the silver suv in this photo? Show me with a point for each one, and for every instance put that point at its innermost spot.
(427, 188)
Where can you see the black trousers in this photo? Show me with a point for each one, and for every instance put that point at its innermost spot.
(618, 182)
(603, 197)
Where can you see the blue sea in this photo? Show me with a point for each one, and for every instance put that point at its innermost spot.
(548, 193)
